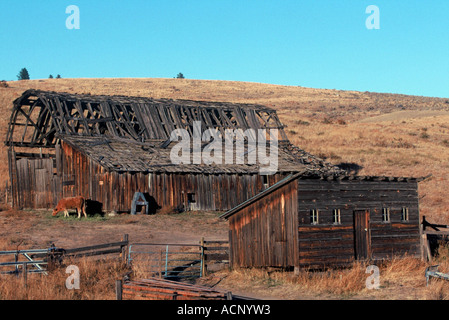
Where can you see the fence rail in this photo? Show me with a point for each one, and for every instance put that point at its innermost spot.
(166, 260)
(21, 266)
(171, 260)
(161, 289)
(214, 251)
(48, 257)
(433, 237)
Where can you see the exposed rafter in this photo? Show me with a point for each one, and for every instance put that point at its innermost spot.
(39, 116)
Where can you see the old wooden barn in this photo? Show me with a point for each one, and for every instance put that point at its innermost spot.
(319, 221)
(107, 148)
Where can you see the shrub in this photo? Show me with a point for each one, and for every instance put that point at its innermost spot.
(302, 122)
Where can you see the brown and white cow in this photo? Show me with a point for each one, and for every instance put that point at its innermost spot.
(78, 203)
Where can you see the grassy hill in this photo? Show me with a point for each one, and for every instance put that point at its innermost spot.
(382, 134)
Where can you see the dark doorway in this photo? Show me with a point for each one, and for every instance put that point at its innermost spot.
(94, 207)
(362, 234)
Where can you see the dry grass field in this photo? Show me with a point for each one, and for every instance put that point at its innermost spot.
(380, 134)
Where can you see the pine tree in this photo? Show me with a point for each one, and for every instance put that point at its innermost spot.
(180, 76)
(50, 76)
(23, 74)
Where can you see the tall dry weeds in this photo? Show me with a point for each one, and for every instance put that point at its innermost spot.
(399, 278)
(97, 282)
(438, 289)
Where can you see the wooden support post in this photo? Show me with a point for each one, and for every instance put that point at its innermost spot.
(421, 240)
(296, 271)
(203, 259)
(423, 248)
(118, 289)
(429, 251)
(427, 254)
(124, 249)
(16, 258)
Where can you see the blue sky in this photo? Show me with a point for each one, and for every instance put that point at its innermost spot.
(310, 43)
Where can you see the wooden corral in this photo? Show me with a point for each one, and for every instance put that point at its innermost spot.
(106, 148)
(318, 222)
(433, 238)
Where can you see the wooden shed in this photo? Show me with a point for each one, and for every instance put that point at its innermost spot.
(317, 221)
(106, 148)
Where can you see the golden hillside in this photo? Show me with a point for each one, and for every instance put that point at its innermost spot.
(382, 134)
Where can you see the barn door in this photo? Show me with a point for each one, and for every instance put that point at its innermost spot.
(34, 183)
(362, 234)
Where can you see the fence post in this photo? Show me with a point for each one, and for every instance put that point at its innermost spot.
(118, 289)
(16, 258)
(166, 261)
(203, 259)
(427, 248)
(124, 249)
(160, 264)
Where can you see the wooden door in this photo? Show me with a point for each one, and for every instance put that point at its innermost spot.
(34, 183)
(362, 234)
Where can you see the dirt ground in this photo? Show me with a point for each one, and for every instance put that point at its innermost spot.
(38, 229)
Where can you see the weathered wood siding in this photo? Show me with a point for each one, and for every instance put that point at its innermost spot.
(265, 232)
(33, 181)
(85, 177)
(328, 243)
(212, 192)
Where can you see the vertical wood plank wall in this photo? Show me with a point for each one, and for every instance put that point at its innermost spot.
(327, 243)
(33, 185)
(265, 232)
(85, 177)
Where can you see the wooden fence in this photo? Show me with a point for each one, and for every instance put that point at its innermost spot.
(120, 247)
(433, 238)
(42, 260)
(170, 260)
(167, 260)
(214, 251)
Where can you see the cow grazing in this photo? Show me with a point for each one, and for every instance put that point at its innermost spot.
(78, 203)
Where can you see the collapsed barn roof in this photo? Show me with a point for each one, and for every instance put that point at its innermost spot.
(133, 133)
